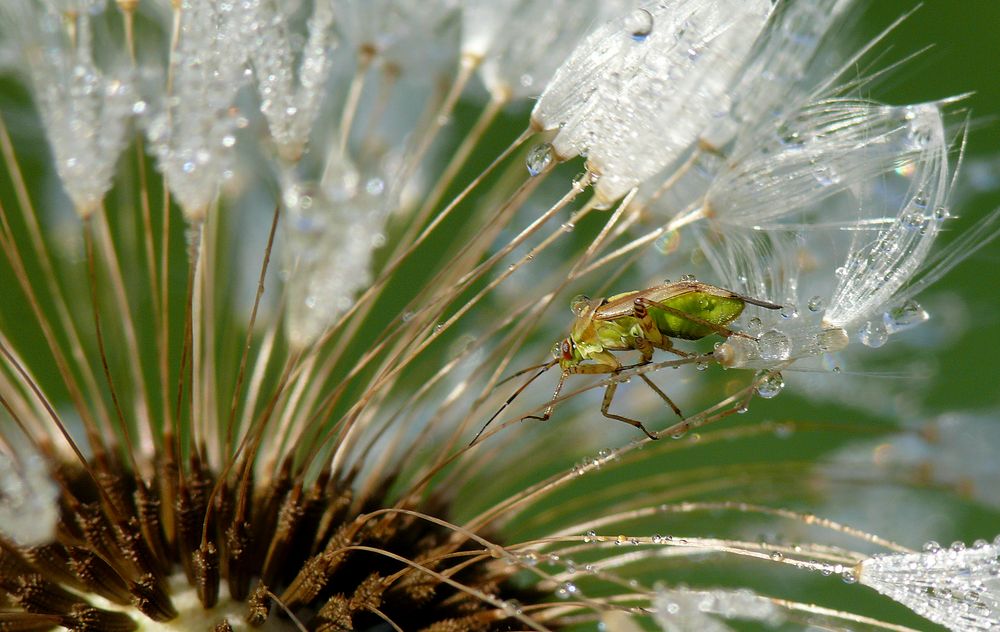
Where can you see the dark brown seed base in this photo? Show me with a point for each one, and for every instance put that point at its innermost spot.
(280, 547)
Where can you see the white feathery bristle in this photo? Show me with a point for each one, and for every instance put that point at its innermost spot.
(290, 104)
(822, 149)
(332, 230)
(957, 587)
(397, 30)
(640, 90)
(776, 79)
(194, 135)
(683, 610)
(85, 112)
(876, 270)
(522, 43)
(29, 508)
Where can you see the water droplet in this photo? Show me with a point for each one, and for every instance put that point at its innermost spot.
(849, 576)
(688, 278)
(777, 556)
(567, 590)
(438, 328)
(668, 243)
(580, 304)
(873, 334)
(904, 316)
(770, 385)
(754, 326)
(375, 186)
(774, 345)
(581, 180)
(539, 158)
(702, 366)
(657, 538)
(789, 311)
(139, 107)
(639, 24)
(511, 608)
(590, 536)
(620, 540)
(941, 213)
(228, 140)
(815, 304)
(957, 546)
(406, 317)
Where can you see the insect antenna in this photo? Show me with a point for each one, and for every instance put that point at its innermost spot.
(544, 367)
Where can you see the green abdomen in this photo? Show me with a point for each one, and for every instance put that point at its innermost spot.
(717, 310)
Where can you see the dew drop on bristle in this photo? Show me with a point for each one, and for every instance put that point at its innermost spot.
(639, 24)
(770, 385)
(668, 242)
(539, 159)
(789, 311)
(873, 334)
(774, 345)
(904, 316)
(815, 304)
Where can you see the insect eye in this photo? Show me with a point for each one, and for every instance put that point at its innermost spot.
(567, 349)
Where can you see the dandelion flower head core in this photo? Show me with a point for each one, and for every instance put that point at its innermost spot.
(303, 247)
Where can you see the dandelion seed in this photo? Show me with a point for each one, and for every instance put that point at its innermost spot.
(85, 111)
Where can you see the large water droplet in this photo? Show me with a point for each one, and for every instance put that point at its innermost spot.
(904, 316)
(639, 24)
(539, 158)
(770, 385)
(668, 242)
(873, 334)
(579, 304)
(774, 345)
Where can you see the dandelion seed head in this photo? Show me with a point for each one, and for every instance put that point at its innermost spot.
(957, 587)
(632, 107)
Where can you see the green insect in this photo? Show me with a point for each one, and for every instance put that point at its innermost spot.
(640, 321)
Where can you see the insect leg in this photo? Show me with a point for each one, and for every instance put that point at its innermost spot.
(552, 402)
(662, 395)
(609, 394)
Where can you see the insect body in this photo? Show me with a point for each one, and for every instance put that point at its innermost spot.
(640, 321)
